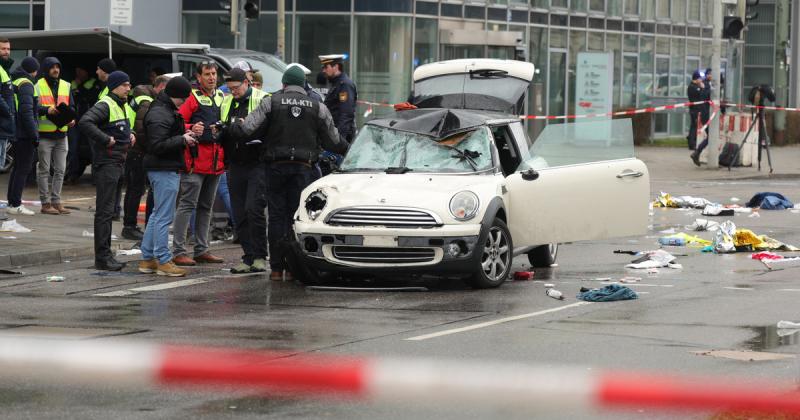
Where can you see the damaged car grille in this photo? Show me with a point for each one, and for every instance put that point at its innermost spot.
(383, 216)
(362, 254)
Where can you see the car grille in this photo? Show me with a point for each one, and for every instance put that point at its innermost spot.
(383, 216)
(362, 254)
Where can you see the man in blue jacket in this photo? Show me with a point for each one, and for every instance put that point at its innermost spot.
(27, 133)
(8, 124)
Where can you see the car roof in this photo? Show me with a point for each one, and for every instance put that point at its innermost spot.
(440, 123)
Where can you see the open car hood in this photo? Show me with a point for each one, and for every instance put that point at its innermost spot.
(481, 84)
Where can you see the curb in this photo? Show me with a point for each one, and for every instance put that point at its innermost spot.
(49, 256)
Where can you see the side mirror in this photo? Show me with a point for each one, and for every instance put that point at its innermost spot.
(530, 175)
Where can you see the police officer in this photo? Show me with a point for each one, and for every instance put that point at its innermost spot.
(108, 126)
(295, 127)
(342, 95)
(245, 174)
(695, 92)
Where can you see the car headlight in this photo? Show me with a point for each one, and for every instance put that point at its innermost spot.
(464, 205)
(315, 202)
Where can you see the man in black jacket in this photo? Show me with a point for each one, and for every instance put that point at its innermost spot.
(27, 133)
(107, 125)
(245, 174)
(295, 127)
(8, 119)
(167, 138)
(135, 177)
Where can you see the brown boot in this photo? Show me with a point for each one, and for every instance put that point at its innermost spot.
(183, 260)
(48, 209)
(61, 209)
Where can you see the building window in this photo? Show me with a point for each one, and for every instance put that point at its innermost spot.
(382, 58)
(536, 96)
(662, 9)
(632, 7)
(694, 11)
(578, 5)
(559, 3)
(262, 35)
(206, 29)
(14, 16)
(646, 64)
(614, 7)
(320, 35)
(614, 45)
(679, 11)
(597, 5)
(426, 41)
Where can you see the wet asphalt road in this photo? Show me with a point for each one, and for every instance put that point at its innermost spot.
(715, 302)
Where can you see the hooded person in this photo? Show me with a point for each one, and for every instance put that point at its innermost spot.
(56, 116)
(167, 138)
(108, 127)
(27, 133)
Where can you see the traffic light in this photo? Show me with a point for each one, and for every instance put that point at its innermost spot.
(748, 4)
(251, 9)
(731, 27)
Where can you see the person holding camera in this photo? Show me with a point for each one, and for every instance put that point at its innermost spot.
(204, 165)
(166, 139)
(245, 173)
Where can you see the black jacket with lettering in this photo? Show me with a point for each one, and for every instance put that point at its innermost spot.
(296, 127)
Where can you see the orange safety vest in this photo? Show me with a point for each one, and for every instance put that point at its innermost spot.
(46, 99)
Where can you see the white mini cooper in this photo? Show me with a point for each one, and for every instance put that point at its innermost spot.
(456, 187)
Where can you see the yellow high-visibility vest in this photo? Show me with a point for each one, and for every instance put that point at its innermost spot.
(46, 99)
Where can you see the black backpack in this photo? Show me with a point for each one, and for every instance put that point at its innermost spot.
(726, 156)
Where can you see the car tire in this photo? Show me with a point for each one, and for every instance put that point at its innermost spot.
(495, 254)
(543, 256)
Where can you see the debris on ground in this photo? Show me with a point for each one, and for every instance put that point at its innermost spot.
(55, 278)
(610, 293)
(781, 263)
(723, 238)
(766, 255)
(13, 226)
(702, 225)
(717, 210)
(788, 324)
(653, 260)
(685, 201)
(523, 275)
(555, 294)
(681, 239)
(770, 201)
(129, 251)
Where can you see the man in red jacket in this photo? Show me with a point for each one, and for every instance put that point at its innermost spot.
(204, 165)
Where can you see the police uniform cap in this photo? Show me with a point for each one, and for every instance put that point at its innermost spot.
(305, 69)
(331, 59)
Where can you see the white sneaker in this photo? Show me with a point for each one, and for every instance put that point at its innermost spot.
(20, 210)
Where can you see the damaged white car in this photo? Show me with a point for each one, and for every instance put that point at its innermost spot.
(457, 188)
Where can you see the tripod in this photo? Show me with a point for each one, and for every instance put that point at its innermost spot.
(763, 140)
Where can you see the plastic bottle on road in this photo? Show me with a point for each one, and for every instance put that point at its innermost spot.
(555, 294)
(672, 241)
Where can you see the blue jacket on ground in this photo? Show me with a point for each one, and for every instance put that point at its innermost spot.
(770, 201)
(609, 293)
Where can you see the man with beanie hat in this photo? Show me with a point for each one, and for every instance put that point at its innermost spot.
(8, 108)
(108, 127)
(53, 146)
(204, 167)
(27, 133)
(167, 138)
(105, 67)
(294, 129)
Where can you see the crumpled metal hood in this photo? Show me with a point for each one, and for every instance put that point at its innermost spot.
(436, 123)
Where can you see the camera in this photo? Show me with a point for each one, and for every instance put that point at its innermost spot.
(765, 92)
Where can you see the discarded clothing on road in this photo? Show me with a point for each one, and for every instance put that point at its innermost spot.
(717, 210)
(654, 259)
(685, 201)
(770, 201)
(610, 293)
(744, 238)
(723, 238)
(766, 255)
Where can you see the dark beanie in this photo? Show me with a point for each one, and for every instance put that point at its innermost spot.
(30, 64)
(107, 65)
(178, 87)
(294, 76)
(116, 78)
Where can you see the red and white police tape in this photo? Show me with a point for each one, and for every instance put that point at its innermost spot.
(105, 363)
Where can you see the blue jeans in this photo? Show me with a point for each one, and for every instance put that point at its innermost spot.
(165, 187)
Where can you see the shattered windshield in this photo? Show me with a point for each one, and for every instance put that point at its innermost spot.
(380, 148)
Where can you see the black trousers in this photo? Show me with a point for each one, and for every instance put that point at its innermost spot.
(285, 182)
(246, 186)
(106, 178)
(24, 152)
(135, 184)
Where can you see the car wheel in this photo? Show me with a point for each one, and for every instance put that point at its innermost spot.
(496, 253)
(543, 256)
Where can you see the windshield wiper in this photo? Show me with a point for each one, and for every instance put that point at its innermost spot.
(399, 170)
(467, 155)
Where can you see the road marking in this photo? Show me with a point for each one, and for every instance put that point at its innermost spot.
(162, 286)
(738, 288)
(495, 322)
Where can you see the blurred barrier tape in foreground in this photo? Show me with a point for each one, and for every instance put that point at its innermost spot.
(112, 363)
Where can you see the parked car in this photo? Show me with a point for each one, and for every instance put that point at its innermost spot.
(457, 188)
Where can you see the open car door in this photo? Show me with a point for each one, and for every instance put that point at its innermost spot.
(591, 187)
(481, 84)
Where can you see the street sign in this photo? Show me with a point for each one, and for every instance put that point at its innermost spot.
(121, 13)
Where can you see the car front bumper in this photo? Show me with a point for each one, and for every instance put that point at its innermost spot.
(442, 250)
